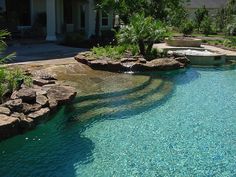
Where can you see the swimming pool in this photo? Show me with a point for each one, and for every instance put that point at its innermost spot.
(173, 124)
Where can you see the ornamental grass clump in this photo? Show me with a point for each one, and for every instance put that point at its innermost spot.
(143, 32)
(10, 80)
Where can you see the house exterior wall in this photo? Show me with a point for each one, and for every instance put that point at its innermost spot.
(37, 6)
(2, 6)
(54, 11)
(110, 21)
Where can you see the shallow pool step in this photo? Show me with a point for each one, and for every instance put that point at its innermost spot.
(126, 98)
(111, 109)
(122, 89)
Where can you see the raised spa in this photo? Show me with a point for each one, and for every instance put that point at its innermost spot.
(184, 42)
(201, 57)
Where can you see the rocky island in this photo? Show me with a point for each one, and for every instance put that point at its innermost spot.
(134, 64)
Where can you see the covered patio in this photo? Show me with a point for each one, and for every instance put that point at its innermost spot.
(56, 16)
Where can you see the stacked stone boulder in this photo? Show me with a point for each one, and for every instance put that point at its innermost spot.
(29, 106)
(135, 64)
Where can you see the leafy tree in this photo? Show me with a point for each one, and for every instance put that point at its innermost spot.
(200, 14)
(206, 26)
(226, 16)
(142, 32)
(163, 10)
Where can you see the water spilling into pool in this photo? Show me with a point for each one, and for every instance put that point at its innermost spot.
(176, 124)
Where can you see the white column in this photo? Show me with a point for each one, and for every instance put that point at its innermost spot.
(51, 20)
(90, 19)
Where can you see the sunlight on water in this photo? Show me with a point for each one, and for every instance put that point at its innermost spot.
(177, 124)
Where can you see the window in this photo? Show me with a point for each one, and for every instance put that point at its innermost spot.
(82, 16)
(104, 19)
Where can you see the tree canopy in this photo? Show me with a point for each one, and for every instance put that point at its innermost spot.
(163, 10)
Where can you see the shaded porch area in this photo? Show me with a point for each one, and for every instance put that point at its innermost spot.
(50, 18)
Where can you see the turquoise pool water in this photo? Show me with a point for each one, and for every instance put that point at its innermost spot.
(182, 126)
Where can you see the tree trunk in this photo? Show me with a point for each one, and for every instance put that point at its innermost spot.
(142, 47)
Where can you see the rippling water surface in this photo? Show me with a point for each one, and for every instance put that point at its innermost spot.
(176, 124)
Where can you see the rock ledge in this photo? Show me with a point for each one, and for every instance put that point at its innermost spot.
(135, 64)
(28, 106)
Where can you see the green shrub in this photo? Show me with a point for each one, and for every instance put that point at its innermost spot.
(142, 31)
(187, 28)
(206, 26)
(114, 52)
(200, 14)
(10, 80)
(230, 42)
(231, 29)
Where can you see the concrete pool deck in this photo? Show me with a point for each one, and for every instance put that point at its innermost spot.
(44, 51)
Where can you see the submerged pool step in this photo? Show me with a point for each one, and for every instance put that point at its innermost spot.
(153, 86)
(120, 92)
(111, 108)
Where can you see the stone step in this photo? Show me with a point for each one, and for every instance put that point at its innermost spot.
(112, 109)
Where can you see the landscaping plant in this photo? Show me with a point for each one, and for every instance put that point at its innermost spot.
(115, 52)
(143, 32)
(187, 28)
(10, 80)
(200, 15)
(206, 26)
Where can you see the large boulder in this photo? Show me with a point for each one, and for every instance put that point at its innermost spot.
(115, 66)
(5, 110)
(39, 115)
(28, 108)
(138, 64)
(42, 100)
(14, 105)
(52, 104)
(27, 95)
(18, 115)
(42, 82)
(163, 64)
(80, 58)
(184, 60)
(98, 64)
(157, 65)
(9, 126)
(61, 94)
